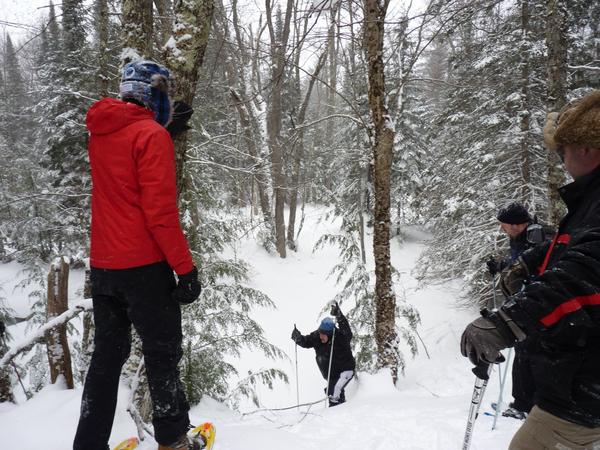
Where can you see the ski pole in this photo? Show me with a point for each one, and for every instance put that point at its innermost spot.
(502, 382)
(330, 361)
(297, 381)
(494, 291)
(482, 374)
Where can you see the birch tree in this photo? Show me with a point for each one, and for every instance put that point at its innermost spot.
(383, 146)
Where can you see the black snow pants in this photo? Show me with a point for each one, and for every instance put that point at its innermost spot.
(140, 296)
(523, 388)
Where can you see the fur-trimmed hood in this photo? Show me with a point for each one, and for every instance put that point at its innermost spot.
(577, 124)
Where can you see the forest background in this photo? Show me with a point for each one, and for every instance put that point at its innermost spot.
(386, 113)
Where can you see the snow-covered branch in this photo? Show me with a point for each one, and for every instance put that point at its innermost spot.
(594, 68)
(40, 334)
(332, 116)
(142, 427)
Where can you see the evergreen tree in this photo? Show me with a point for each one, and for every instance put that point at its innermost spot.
(490, 133)
(63, 120)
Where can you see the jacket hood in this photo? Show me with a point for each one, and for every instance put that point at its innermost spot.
(109, 115)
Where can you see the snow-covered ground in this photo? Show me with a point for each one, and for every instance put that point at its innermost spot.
(426, 410)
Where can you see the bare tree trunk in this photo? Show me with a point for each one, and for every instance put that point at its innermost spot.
(252, 134)
(298, 143)
(525, 110)
(364, 173)
(184, 59)
(556, 42)
(361, 216)
(6, 393)
(59, 355)
(299, 147)
(87, 339)
(259, 175)
(102, 35)
(138, 35)
(164, 10)
(332, 82)
(385, 300)
(274, 111)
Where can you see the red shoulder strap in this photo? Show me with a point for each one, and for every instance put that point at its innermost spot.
(558, 239)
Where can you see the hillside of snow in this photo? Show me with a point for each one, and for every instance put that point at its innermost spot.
(426, 410)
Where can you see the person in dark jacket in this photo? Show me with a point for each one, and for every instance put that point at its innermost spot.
(136, 245)
(514, 220)
(560, 303)
(518, 225)
(342, 360)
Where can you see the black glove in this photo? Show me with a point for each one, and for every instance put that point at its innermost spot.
(2, 329)
(296, 335)
(512, 279)
(483, 339)
(188, 288)
(182, 112)
(535, 233)
(335, 310)
(493, 266)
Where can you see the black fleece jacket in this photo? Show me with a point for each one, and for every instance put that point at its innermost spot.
(342, 353)
(560, 306)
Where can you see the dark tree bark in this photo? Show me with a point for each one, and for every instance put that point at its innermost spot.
(6, 393)
(164, 10)
(192, 18)
(385, 300)
(57, 345)
(556, 42)
(102, 36)
(274, 112)
(249, 139)
(300, 118)
(525, 110)
(87, 339)
(138, 29)
(253, 138)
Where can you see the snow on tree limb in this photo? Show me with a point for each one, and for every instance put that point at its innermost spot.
(142, 427)
(40, 334)
(584, 68)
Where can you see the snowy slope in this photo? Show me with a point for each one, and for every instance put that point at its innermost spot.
(427, 409)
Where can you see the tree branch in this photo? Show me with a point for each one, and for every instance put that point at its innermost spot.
(40, 335)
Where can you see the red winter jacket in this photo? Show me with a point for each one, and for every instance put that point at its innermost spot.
(135, 220)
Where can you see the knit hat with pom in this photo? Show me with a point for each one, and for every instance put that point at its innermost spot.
(147, 83)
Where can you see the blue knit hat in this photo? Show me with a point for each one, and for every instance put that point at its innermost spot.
(327, 325)
(147, 83)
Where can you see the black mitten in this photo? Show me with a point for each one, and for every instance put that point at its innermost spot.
(182, 112)
(188, 287)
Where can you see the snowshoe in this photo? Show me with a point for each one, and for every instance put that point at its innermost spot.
(185, 443)
(207, 433)
(128, 444)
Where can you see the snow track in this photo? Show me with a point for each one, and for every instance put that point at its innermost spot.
(427, 410)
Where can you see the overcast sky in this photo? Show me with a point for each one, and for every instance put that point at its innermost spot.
(20, 18)
(27, 12)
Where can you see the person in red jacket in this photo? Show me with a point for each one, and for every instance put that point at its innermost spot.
(136, 245)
